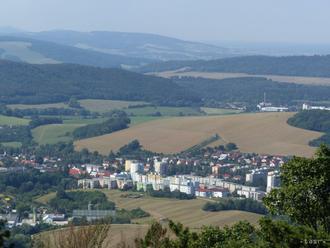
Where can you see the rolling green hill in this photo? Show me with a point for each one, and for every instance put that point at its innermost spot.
(31, 84)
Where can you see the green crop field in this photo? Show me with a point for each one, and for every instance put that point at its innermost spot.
(103, 106)
(12, 144)
(164, 111)
(8, 120)
(84, 121)
(54, 133)
(220, 111)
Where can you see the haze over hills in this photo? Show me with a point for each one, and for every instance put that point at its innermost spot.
(138, 45)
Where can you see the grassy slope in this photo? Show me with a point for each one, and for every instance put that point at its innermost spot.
(54, 133)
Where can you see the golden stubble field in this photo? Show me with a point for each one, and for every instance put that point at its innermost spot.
(224, 75)
(264, 133)
(187, 212)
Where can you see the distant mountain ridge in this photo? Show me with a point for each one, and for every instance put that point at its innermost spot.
(137, 45)
(22, 49)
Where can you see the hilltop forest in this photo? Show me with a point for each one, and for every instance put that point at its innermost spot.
(32, 84)
(309, 66)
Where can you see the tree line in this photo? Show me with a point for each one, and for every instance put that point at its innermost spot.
(316, 120)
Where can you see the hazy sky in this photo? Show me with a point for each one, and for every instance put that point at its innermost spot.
(303, 21)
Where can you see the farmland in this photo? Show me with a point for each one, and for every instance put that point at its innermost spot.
(187, 212)
(103, 106)
(176, 210)
(163, 111)
(224, 75)
(8, 120)
(264, 133)
(54, 133)
(220, 111)
(38, 106)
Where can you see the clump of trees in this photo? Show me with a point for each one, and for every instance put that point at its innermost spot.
(166, 193)
(37, 121)
(15, 134)
(316, 120)
(117, 121)
(236, 204)
(65, 202)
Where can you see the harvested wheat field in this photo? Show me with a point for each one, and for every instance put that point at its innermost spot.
(265, 133)
(187, 212)
(224, 75)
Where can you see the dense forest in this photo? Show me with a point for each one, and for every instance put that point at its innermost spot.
(316, 120)
(111, 125)
(25, 83)
(309, 66)
(250, 91)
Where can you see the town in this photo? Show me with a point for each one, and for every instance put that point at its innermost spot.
(213, 173)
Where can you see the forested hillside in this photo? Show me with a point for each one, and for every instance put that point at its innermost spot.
(310, 66)
(26, 83)
(250, 90)
(316, 120)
